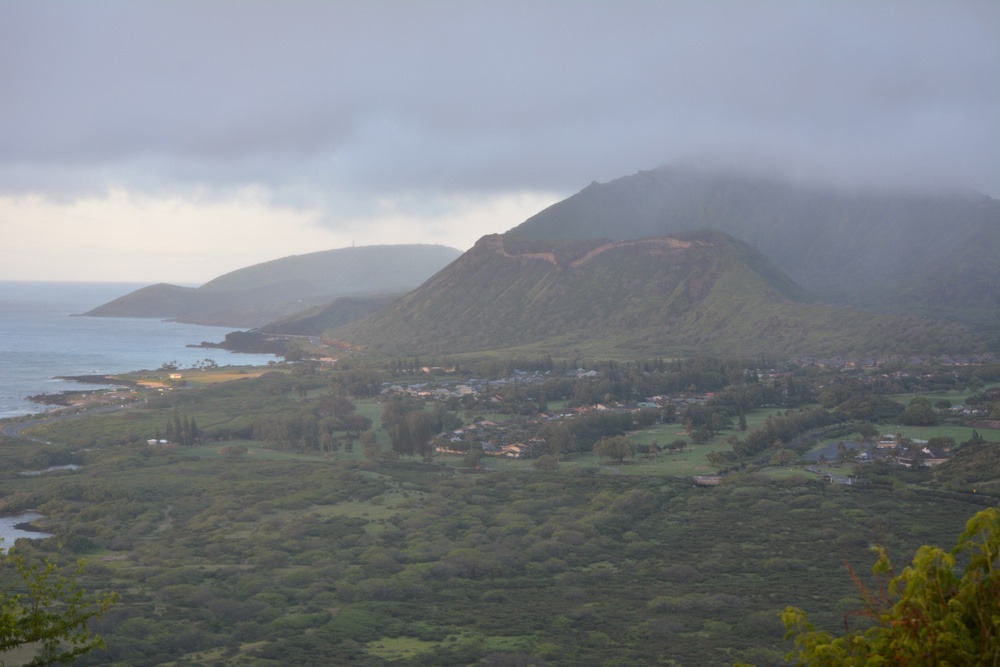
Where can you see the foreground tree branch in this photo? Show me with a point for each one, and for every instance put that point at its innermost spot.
(930, 614)
(49, 609)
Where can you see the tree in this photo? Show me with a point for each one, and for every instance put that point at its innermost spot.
(411, 435)
(919, 413)
(976, 439)
(783, 457)
(547, 463)
(372, 452)
(617, 448)
(926, 615)
(335, 405)
(559, 439)
(867, 431)
(473, 456)
(701, 436)
(356, 424)
(50, 610)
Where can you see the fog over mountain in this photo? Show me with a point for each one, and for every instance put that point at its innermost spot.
(895, 250)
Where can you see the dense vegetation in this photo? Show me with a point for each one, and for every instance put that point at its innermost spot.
(697, 292)
(340, 311)
(280, 529)
(926, 615)
(229, 560)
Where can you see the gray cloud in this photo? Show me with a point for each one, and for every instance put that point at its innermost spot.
(311, 98)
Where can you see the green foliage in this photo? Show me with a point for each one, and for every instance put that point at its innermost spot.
(926, 615)
(973, 469)
(50, 610)
(617, 448)
(321, 557)
(713, 293)
(872, 408)
(234, 561)
(919, 413)
(547, 463)
(788, 428)
(908, 257)
(339, 311)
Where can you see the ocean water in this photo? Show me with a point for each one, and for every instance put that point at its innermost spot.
(40, 339)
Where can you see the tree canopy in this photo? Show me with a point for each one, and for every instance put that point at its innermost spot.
(50, 610)
(929, 614)
(617, 448)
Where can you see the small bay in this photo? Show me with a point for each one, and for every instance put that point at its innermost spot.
(10, 532)
(41, 339)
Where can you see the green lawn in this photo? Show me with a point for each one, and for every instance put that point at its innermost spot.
(959, 433)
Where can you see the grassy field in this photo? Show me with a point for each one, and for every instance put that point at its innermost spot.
(959, 433)
(223, 374)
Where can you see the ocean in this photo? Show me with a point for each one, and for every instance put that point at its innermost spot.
(40, 339)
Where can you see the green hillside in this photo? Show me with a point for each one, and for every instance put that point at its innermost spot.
(266, 292)
(921, 253)
(376, 268)
(336, 313)
(698, 292)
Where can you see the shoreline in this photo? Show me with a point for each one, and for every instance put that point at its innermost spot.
(98, 379)
(70, 397)
(28, 527)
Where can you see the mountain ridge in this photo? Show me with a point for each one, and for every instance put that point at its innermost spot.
(265, 292)
(901, 250)
(692, 292)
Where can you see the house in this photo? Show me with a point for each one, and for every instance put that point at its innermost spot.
(922, 457)
(518, 450)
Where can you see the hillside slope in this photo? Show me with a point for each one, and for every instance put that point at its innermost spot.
(272, 290)
(340, 311)
(926, 253)
(699, 292)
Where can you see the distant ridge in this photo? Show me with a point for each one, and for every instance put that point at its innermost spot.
(265, 292)
(692, 292)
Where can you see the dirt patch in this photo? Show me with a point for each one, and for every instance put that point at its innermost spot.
(657, 245)
(111, 558)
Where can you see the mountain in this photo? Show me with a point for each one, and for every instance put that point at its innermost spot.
(266, 292)
(935, 254)
(340, 311)
(692, 292)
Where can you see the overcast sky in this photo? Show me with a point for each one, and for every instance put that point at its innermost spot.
(176, 141)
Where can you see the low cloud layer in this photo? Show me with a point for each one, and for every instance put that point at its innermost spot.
(342, 111)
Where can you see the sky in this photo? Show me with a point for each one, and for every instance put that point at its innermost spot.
(176, 141)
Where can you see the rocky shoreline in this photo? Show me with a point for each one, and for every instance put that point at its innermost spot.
(28, 527)
(66, 398)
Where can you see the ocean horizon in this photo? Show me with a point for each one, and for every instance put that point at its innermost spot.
(43, 337)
